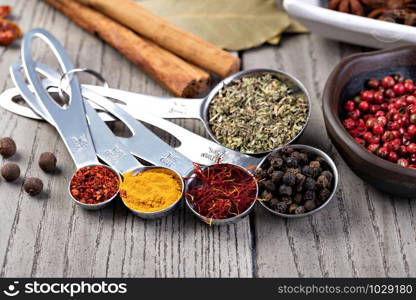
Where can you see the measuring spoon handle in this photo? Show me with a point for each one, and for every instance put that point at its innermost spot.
(164, 107)
(70, 122)
(144, 143)
(107, 146)
(196, 147)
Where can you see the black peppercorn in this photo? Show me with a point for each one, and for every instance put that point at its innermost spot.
(303, 158)
(291, 162)
(307, 171)
(7, 147)
(287, 200)
(300, 179)
(295, 155)
(314, 164)
(298, 198)
(310, 205)
(310, 184)
(324, 195)
(309, 195)
(300, 210)
(270, 171)
(267, 196)
(260, 173)
(293, 170)
(274, 202)
(323, 182)
(288, 150)
(10, 171)
(292, 209)
(277, 176)
(33, 186)
(328, 175)
(281, 207)
(285, 190)
(276, 163)
(269, 185)
(322, 162)
(273, 155)
(289, 179)
(47, 162)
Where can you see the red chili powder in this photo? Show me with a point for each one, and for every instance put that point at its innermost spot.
(94, 184)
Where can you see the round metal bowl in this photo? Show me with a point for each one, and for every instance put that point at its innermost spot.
(335, 182)
(347, 80)
(295, 84)
(211, 221)
(98, 205)
(164, 212)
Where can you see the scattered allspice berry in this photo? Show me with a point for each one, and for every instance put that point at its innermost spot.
(33, 186)
(10, 171)
(7, 147)
(47, 162)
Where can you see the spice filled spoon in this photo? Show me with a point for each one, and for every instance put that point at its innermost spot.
(71, 124)
(213, 113)
(212, 151)
(238, 186)
(193, 146)
(108, 147)
(211, 110)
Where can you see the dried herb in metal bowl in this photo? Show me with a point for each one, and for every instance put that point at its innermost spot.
(257, 113)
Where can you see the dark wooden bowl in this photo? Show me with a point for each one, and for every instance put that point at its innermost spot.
(346, 81)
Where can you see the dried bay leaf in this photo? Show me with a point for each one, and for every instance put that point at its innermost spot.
(231, 24)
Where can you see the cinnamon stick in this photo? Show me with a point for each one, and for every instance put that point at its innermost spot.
(176, 75)
(168, 35)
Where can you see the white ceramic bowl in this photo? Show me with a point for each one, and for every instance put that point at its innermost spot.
(363, 31)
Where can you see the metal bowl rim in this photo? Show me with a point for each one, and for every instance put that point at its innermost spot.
(207, 101)
(227, 220)
(329, 160)
(166, 209)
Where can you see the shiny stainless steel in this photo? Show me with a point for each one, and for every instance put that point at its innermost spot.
(193, 146)
(70, 121)
(163, 212)
(109, 149)
(79, 70)
(144, 143)
(222, 221)
(330, 162)
(169, 107)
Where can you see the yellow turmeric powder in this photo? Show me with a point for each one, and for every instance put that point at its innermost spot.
(150, 191)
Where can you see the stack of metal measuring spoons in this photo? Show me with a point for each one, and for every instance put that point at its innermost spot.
(83, 131)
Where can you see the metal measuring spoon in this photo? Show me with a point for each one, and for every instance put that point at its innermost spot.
(70, 121)
(108, 147)
(170, 107)
(132, 123)
(197, 148)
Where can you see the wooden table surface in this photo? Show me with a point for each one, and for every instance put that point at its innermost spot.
(362, 232)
